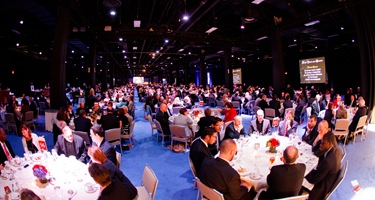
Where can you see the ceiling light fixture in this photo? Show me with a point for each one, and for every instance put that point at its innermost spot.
(120, 39)
(166, 41)
(21, 22)
(242, 27)
(262, 38)
(181, 50)
(312, 23)
(123, 51)
(185, 17)
(135, 48)
(112, 12)
(342, 28)
(257, 2)
(17, 44)
(212, 29)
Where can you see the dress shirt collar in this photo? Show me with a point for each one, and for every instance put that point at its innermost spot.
(203, 142)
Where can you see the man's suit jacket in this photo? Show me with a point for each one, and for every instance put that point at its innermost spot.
(284, 181)
(309, 139)
(205, 122)
(117, 191)
(109, 121)
(360, 112)
(219, 175)
(3, 157)
(108, 150)
(265, 130)
(231, 132)
(198, 151)
(80, 147)
(82, 124)
(117, 175)
(325, 174)
(164, 122)
(293, 128)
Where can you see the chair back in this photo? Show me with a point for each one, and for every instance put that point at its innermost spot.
(178, 131)
(42, 106)
(208, 192)
(176, 110)
(300, 197)
(236, 104)
(29, 116)
(158, 126)
(150, 119)
(113, 135)
(342, 151)
(9, 117)
(256, 108)
(342, 124)
(340, 177)
(150, 181)
(84, 136)
(269, 113)
(361, 123)
(226, 124)
(192, 168)
(118, 159)
(290, 109)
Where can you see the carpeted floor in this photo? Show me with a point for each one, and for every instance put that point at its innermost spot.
(174, 175)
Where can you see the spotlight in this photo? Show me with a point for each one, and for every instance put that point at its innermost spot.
(185, 17)
(166, 41)
(21, 22)
(113, 13)
(242, 27)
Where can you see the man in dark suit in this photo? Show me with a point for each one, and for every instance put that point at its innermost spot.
(285, 180)
(109, 121)
(205, 121)
(311, 130)
(162, 117)
(361, 111)
(199, 149)
(263, 102)
(71, 145)
(234, 129)
(112, 190)
(6, 151)
(97, 136)
(81, 123)
(324, 176)
(219, 175)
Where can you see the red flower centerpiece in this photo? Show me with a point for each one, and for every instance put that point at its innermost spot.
(40, 172)
(196, 112)
(272, 144)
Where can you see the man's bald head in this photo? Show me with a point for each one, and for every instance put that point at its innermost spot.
(163, 107)
(227, 145)
(323, 127)
(290, 154)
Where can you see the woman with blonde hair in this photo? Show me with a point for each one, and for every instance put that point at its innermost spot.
(29, 140)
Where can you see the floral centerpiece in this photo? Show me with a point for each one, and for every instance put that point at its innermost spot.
(272, 144)
(196, 112)
(40, 172)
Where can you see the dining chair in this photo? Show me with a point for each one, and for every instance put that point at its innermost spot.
(29, 119)
(342, 128)
(207, 192)
(153, 126)
(160, 132)
(193, 171)
(342, 151)
(118, 159)
(130, 135)
(178, 133)
(237, 107)
(269, 113)
(10, 122)
(176, 110)
(211, 101)
(113, 136)
(149, 184)
(42, 107)
(340, 177)
(220, 104)
(308, 112)
(84, 136)
(359, 129)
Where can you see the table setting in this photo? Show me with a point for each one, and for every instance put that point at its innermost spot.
(257, 154)
(48, 175)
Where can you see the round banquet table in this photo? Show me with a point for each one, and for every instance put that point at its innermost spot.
(66, 173)
(256, 163)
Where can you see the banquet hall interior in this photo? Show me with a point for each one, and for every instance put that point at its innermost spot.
(48, 47)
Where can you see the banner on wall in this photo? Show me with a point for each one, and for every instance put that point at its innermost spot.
(237, 76)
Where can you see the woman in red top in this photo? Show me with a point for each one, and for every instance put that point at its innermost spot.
(229, 112)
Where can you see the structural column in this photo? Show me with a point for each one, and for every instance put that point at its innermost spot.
(203, 71)
(228, 68)
(364, 19)
(92, 60)
(57, 71)
(278, 74)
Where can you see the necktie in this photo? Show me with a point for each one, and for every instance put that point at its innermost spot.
(9, 157)
(286, 128)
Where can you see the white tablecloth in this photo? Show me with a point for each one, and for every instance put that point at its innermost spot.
(48, 117)
(69, 174)
(246, 158)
